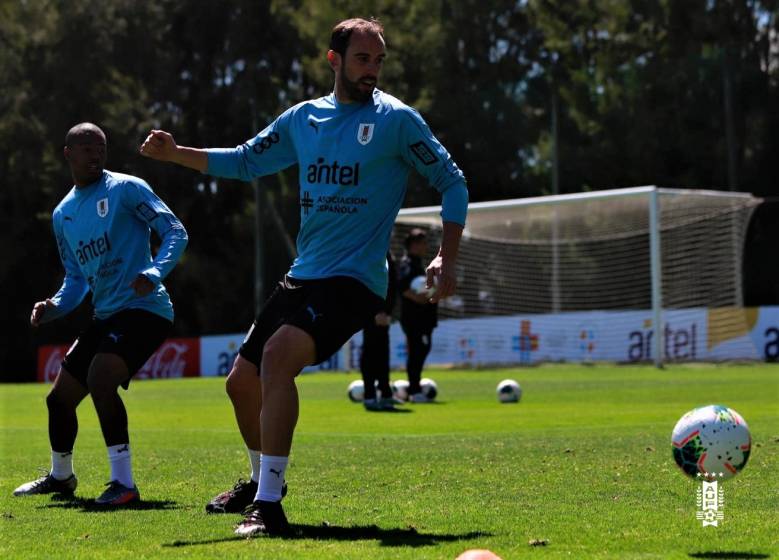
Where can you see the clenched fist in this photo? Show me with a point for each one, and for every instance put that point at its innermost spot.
(159, 145)
(38, 310)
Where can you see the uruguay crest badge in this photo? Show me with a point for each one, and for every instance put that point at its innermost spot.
(365, 133)
(102, 207)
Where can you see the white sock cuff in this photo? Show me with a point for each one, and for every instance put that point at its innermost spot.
(118, 452)
(274, 460)
(121, 464)
(272, 476)
(61, 464)
(254, 460)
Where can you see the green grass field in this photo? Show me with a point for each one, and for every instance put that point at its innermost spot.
(583, 463)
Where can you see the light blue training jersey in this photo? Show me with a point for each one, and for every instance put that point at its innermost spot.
(354, 163)
(103, 232)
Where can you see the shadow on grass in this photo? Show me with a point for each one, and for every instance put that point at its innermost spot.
(84, 504)
(730, 555)
(387, 537)
(390, 410)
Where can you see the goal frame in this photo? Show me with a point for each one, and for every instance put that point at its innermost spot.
(430, 215)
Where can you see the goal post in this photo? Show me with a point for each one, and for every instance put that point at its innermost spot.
(641, 274)
(656, 271)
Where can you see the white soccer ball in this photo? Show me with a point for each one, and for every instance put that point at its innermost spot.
(400, 389)
(509, 391)
(418, 286)
(711, 443)
(356, 391)
(429, 388)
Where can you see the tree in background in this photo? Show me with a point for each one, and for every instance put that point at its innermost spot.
(642, 86)
(679, 94)
(61, 64)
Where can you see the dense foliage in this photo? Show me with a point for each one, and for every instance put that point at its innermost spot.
(648, 92)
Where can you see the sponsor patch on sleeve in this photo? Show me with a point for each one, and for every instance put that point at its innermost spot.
(423, 153)
(147, 212)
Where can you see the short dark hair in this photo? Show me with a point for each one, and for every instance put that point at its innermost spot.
(416, 234)
(81, 129)
(342, 32)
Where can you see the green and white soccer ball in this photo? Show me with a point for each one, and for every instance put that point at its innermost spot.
(711, 442)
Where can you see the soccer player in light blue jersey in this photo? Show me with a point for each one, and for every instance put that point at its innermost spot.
(102, 227)
(355, 149)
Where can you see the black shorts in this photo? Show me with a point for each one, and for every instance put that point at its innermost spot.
(331, 310)
(132, 334)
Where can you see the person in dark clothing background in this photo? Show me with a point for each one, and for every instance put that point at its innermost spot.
(418, 317)
(374, 361)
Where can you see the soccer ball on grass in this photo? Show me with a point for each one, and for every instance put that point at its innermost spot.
(429, 388)
(509, 391)
(400, 389)
(711, 442)
(356, 391)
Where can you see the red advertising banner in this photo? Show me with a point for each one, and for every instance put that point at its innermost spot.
(49, 359)
(176, 357)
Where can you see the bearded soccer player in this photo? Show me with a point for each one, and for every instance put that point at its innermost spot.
(355, 148)
(102, 227)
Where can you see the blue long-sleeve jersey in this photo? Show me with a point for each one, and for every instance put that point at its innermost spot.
(103, 232)
(354, 163)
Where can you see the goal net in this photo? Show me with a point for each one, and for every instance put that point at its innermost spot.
(589, 277)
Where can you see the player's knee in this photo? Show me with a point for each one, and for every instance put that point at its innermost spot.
(54, 402)
(229, 387)
(276, 363)
(233, 386)
(242, 380)
(271, 356)
(276, 378)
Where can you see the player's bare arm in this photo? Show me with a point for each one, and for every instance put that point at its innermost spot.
(441, 271)
(161, 146)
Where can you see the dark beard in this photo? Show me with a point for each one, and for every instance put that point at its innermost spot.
(353, 90)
